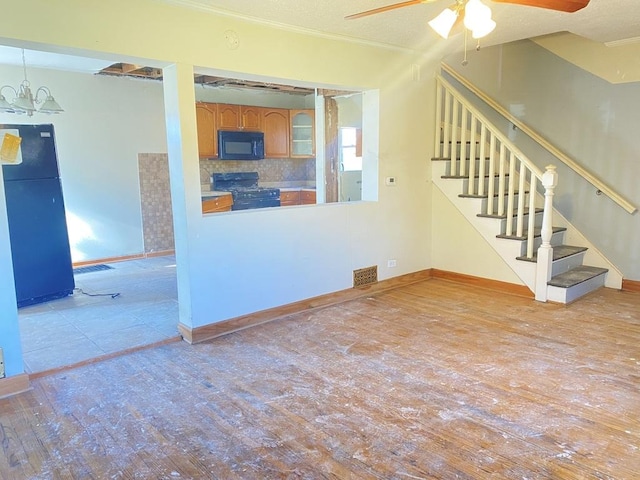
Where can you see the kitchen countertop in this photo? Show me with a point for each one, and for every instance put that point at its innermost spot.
(208, 194)
(297, 189)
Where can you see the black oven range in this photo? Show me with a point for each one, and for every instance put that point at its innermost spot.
(245, 190)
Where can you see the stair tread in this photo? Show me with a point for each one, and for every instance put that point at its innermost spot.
(504, 216)
(576, 276)
(537, 232)
(559, 252)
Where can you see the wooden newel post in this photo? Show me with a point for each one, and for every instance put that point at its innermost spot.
(545, 251)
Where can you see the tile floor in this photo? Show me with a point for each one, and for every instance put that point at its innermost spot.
(80, 327)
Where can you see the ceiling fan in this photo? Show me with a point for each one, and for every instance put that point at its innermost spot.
(477, 16)
(568, 6)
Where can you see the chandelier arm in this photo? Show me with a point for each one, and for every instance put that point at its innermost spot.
(46, 91)
(15, 92)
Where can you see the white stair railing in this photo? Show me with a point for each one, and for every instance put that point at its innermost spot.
(497, 170)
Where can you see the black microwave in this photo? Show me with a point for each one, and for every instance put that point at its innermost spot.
(240, 145)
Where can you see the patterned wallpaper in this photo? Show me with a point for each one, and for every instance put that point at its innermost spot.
(155, 197)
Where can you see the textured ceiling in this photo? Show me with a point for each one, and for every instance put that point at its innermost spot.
(601, 21)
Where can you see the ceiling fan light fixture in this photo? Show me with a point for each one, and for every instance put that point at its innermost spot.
(443, 23)
(477, 18)
(484, 29)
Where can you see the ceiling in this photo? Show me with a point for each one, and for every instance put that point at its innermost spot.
(602, 21)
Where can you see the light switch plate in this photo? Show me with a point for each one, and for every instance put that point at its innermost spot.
(1, 363)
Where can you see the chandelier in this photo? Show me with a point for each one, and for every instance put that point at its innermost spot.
(24, 101)
(477, 18)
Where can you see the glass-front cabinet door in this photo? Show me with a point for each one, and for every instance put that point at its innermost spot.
(302, 133)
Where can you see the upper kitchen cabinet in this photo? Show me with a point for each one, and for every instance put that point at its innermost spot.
(239, 116)
(206, 117)
(275, 124)
(302, 123)
(251, 118)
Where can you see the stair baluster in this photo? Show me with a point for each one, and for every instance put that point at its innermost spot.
(472, 157)
(481, 163)
(463, 141)
(446, 147)
(509, 172)
(522, 175)
(454, 138)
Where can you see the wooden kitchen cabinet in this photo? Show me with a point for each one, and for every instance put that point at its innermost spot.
(303, 133)
(307, 197)
(275, 125)
(288, 198)
(251, 118)
(222, 203)
(206, 118)
(244, 117)
(228, 116)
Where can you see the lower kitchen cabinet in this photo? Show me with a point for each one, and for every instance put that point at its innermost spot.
(220, 203)
(307, 197)
(288, 198)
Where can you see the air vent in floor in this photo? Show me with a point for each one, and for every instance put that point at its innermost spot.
(365, 276)
(91, 268)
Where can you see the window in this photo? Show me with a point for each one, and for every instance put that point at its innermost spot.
(350, 156)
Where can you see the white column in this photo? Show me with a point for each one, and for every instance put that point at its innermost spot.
(184, 169)
(9, 331)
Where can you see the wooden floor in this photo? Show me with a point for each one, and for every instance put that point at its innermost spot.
(434, 380)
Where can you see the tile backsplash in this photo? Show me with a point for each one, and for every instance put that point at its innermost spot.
(155, 198)
(272, 172)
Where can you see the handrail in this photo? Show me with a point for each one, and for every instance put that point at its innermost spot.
(502, 163)
(507, 167)
(564, 158)
(499, 135)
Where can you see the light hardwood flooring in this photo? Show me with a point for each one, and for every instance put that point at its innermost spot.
(431, 380)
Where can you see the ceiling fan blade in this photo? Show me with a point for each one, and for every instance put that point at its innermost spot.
(386, 8)
(569, 6)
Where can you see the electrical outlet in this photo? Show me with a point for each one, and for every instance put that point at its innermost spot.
(391, 263)
(1, 364)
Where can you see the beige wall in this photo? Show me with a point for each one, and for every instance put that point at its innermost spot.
(588, 118)
(243, 262)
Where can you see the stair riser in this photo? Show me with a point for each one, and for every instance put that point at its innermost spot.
(568, 295)
(466, 149)
(486, 181)
(495, 201)
(537, 222)
(565, 264)
(556, 239)
(477, 167)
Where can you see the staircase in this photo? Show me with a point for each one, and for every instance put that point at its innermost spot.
(510, 203)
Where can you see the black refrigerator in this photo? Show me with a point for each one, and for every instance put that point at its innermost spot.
(40, 249)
